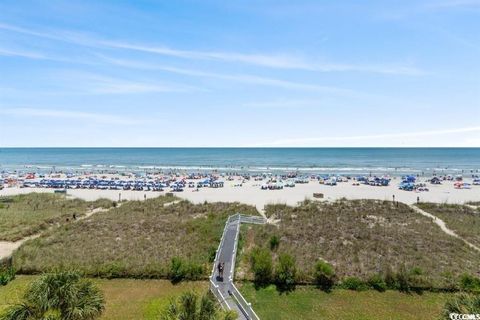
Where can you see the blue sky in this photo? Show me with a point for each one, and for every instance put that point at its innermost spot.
(240, 73)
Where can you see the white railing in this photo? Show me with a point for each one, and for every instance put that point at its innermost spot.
(252, 219)
(218, 294)
(245, 305)
(234, 255)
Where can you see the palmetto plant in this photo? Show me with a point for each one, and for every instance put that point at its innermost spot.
(462, 303)
(64, 295)
(189, 307)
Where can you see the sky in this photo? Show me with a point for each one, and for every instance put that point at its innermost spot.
(265, 73)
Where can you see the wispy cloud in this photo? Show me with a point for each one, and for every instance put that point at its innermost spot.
(284, 103)
(72, 115)
(278, 61)
(242, 78)
(96, 84)
(86, 83)
(21, 53)
(362, 138)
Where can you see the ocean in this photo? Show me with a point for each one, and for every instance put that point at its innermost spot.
(310, 160)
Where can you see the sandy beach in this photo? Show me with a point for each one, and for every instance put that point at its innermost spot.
(250, 193)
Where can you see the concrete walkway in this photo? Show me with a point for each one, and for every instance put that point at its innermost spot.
(224, 288)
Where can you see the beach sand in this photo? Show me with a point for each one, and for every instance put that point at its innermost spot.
(250, 193)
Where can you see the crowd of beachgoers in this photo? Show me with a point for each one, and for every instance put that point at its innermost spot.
(179, 182)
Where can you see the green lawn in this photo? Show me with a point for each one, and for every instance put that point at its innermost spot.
(125, 298)
(310, 303)
(144, 299)
(28, 214)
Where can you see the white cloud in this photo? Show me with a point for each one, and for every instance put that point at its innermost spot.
(279, 61)
(20, 53)
(284, 104)
(243, 78)
(105, 85)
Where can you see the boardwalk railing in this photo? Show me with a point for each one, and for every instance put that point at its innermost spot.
(244, 306)
(218, 294)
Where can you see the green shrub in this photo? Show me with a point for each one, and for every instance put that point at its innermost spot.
(181, 270)
(469, 283)
(274, 242)
(285, 273)
(177, 270)
(63, 295)
(324, 275)
(391, 280)
(450, 282)
(402, 280)
(212, 252)
(417, 280)
(377, 282)
(112, 270)
(6, 275)
(354, 283)
(262, 266)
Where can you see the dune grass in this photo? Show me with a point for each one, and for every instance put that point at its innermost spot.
(28, 214)
(464, 220)
(309, 303)
(138, 239)
(474, 203)
(361, 238)
(125, 298)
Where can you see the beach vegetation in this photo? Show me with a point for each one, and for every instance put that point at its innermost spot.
(324, 275)
(139, 239)
(463, 304)
(28, 214)
(262, 266)
(377, 282)
(354, 283)
(285, 273)
(470, 283)
(462, 219)
(274, 242)
(190, 306)
(62, 295)
(365, 237)
(7, 274)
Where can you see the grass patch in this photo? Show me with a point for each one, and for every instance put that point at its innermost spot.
(464, 220)
(28, 214)
(361, 238)
(125, 298)
(310, 303)
(138, 239)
